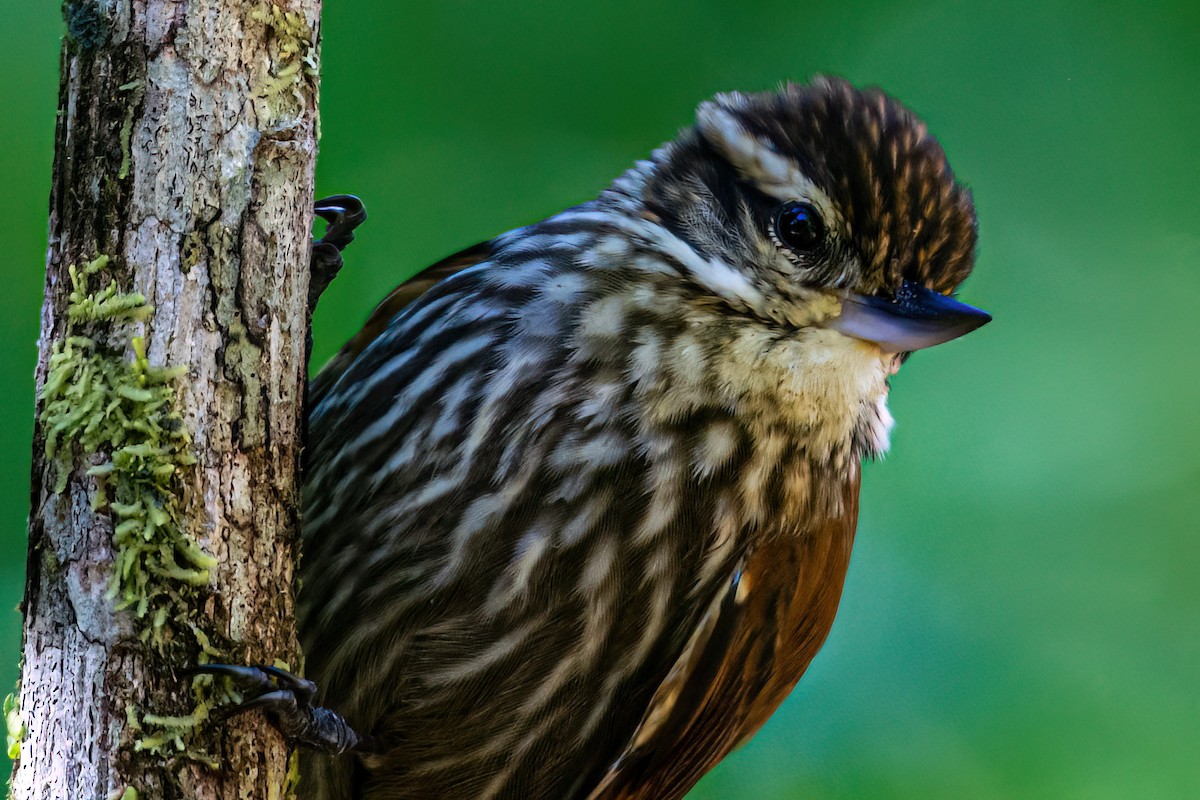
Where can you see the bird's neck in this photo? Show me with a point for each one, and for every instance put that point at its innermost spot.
(798, 410)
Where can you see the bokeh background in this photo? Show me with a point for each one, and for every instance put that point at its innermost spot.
(1022, 616)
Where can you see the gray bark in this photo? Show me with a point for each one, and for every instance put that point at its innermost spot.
(184, 151)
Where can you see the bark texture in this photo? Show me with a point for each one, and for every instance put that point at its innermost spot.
(184, 151)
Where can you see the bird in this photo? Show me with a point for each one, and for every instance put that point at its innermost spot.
(580, 500)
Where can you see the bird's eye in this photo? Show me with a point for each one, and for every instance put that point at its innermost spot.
(799, 226)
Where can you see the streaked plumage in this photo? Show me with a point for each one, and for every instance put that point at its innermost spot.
(580, 500)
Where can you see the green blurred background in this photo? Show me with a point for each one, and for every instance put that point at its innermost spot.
(1022, 617)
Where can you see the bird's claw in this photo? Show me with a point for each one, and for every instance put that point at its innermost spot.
(261, 680)
(288, 698)
(342, 213)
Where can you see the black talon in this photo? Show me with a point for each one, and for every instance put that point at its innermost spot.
(343, 213)
(288, 699)
(304, 689)
(271, 701)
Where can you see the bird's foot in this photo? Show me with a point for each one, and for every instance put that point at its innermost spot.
(342, 214)
(287, 698)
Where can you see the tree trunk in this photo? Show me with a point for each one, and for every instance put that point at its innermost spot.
(171, 377)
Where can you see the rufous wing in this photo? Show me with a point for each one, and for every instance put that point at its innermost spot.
(756, 640)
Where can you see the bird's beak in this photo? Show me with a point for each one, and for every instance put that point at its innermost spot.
(914, 319)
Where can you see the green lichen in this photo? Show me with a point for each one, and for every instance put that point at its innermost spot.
(292, 66)
(15, 727)
(97, 401)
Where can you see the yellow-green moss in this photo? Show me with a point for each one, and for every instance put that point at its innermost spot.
(167, 735)
(14, 726)
(292, 65)
(101, 401)
(97, 401)
(171, 735)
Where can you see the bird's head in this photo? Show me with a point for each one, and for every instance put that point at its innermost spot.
(823, 205)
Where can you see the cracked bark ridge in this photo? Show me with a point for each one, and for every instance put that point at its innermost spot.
(184, 149)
